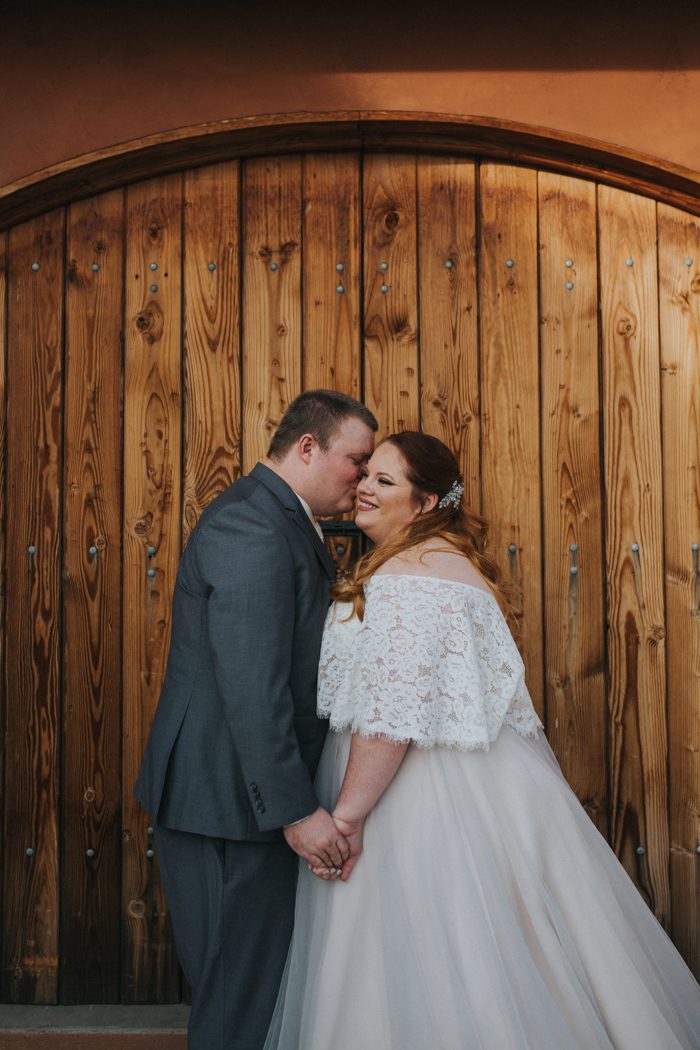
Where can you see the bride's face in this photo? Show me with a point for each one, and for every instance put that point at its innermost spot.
(385, 499)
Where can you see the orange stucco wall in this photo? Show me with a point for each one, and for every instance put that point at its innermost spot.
(82, 77)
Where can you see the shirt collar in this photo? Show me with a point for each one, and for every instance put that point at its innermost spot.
(310, 513)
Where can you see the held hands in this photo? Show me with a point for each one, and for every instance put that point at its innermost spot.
(318, 841)
(372, 765)
(352, 832)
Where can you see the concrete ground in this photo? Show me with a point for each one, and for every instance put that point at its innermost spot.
(93, 1027)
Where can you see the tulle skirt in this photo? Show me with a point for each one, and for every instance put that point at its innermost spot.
(486, 911)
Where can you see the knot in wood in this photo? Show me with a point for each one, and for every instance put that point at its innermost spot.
(656, 634)
(100, 542)
(136, 909)
(90, 795)
(150, 323)
(142, 526)
(626, 327)
(695, 284)
(190, 514)
(392, 220)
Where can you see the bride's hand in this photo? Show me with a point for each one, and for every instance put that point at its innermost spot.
(352, 831)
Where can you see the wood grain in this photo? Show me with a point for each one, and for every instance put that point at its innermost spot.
(391, 317)
(91, 791)
(332, 305)
(212, 374)
(510, 419)
(32, 676)
(332, 290)
(577, 719)
(448, 311)
(679, 315)
(152, 515)
(571, 444)
(272, 311)
(633, 483)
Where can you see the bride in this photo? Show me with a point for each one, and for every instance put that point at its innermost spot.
(479, 907)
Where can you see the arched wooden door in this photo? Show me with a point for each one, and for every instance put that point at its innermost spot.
(544, 326)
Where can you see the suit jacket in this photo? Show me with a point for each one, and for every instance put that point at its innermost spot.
(235, 741)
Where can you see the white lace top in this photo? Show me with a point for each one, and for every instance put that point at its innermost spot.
(432, 662)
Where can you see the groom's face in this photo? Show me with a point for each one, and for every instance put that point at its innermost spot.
(336, 471)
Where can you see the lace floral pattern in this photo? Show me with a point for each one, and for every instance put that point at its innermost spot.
(433, 662)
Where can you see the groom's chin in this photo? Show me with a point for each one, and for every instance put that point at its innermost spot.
(347, 505)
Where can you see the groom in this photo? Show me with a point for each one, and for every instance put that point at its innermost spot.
(227, 775)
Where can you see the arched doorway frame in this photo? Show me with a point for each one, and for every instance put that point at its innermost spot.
(372, 130)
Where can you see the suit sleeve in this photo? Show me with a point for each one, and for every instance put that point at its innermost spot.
(247, 568)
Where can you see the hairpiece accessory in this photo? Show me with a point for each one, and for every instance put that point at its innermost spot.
(453, 496)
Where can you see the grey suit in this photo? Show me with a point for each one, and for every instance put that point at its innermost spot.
(234, 747)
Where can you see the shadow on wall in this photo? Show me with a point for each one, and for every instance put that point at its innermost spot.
(365, 37)
(72, 82)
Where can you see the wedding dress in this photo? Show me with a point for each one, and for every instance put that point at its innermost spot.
(486, 911)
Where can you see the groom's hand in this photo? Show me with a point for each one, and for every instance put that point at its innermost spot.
(318, 841)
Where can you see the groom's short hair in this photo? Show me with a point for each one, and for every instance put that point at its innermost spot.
(320, 413)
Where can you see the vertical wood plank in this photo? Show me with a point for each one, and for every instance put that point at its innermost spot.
(332, 289)
(391, 321)
(272, 311)
(679, 316)
(212, 378)
(152, 540)
(448, 310)
(634, 540)
(90, 803)
(571, 488)
(32, 729)
(511, 489)
(331, 239)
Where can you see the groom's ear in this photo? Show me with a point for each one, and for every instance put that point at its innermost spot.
(305, 447)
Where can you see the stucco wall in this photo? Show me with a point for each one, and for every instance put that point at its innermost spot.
(79, 77)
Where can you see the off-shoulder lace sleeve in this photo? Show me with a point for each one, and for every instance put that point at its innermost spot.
(433, 662)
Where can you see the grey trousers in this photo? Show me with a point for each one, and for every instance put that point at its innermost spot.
(232, 910)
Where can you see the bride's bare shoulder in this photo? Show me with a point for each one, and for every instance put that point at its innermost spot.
(433, 559)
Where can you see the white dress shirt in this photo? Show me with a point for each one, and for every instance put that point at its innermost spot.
(308, 510)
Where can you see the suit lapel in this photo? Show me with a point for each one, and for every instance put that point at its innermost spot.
(303, 521)
(290, 501)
